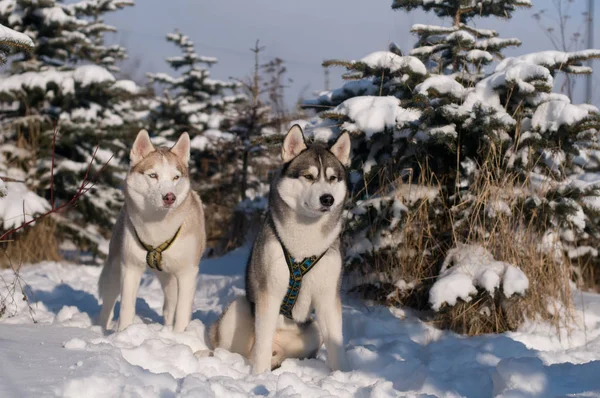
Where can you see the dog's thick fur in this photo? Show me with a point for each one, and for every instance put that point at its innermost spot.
(156, 174)
(305, 208)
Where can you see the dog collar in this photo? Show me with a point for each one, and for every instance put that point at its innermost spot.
(154, 254)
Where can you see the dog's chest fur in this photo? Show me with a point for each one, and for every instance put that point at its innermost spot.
(268, 272)
(186, 249)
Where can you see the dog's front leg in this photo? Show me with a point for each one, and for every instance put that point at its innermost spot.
(130, 282)
(169, 285)
(266, 316)
(186, 284)
(329, 318)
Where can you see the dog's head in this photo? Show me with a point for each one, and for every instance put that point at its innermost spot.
(158, 177)
(313, 178)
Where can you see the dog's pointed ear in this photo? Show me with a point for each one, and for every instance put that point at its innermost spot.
(182, 148)
(142, 147)
(293, 144)
(341, 148)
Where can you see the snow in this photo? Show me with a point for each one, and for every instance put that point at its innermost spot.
(126, 85)
(65, 80)
(393, 62)
(421, 28)
(468, 267)
(375, 114)
(461, 36)
(18, 198)
(349, 89)
(442, 85)
(90, 74)
(522, 74)
(7, 6)
(551, 59)
(56, 15)
(479, 55)
(552, 115)
(12, 36)
(391, 351)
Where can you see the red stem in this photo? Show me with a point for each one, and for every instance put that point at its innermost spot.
(54, 134)
(83, 188)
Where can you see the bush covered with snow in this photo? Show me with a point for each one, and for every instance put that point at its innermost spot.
(492, 142)
(469, 269)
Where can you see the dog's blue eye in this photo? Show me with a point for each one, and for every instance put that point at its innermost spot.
(153, 175)
(332, 178)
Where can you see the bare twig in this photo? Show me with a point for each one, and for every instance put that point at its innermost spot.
(54, 134)
(85, 186)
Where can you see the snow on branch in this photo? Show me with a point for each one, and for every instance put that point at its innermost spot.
(11, 39)
(568, 62)
(441, 85)
(65, 80)
(552, 115)
(373, 115)
(381, 61)
(468, 268)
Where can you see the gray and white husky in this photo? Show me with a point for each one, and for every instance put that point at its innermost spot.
(161, 225)
(304, 220)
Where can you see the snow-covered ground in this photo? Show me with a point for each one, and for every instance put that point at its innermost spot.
(392, 352)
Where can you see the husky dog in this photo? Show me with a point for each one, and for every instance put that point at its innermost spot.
(303, 222)
(161, 225)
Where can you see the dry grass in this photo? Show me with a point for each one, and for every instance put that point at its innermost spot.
(421, 249)
(34, 244)
(513, 236)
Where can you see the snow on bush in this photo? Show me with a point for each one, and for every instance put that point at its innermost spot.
(375, 114)
(442, 85)
(469, 267)
(19, 198)
(65, 80)
(554, 114)
(393, 62)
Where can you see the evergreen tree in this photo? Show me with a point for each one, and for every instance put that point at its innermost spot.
(206, 109)
(193, 101)
(430, 127)
(65, 82)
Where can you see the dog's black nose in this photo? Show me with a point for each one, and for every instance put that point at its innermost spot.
(326, 200)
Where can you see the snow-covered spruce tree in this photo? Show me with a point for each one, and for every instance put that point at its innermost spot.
(205, 108)
(453, 155)
(60, 84)
(460, 49)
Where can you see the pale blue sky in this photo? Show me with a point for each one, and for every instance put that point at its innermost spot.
(303, 33)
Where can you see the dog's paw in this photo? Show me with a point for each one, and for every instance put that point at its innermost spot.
(204, 353)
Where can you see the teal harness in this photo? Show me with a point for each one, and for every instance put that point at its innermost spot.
(297, 271)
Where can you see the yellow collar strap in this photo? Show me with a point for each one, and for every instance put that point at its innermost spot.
(154, 255)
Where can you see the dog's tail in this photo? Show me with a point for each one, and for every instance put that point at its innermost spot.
(234, 331)
(109, 287)
(108, 276)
